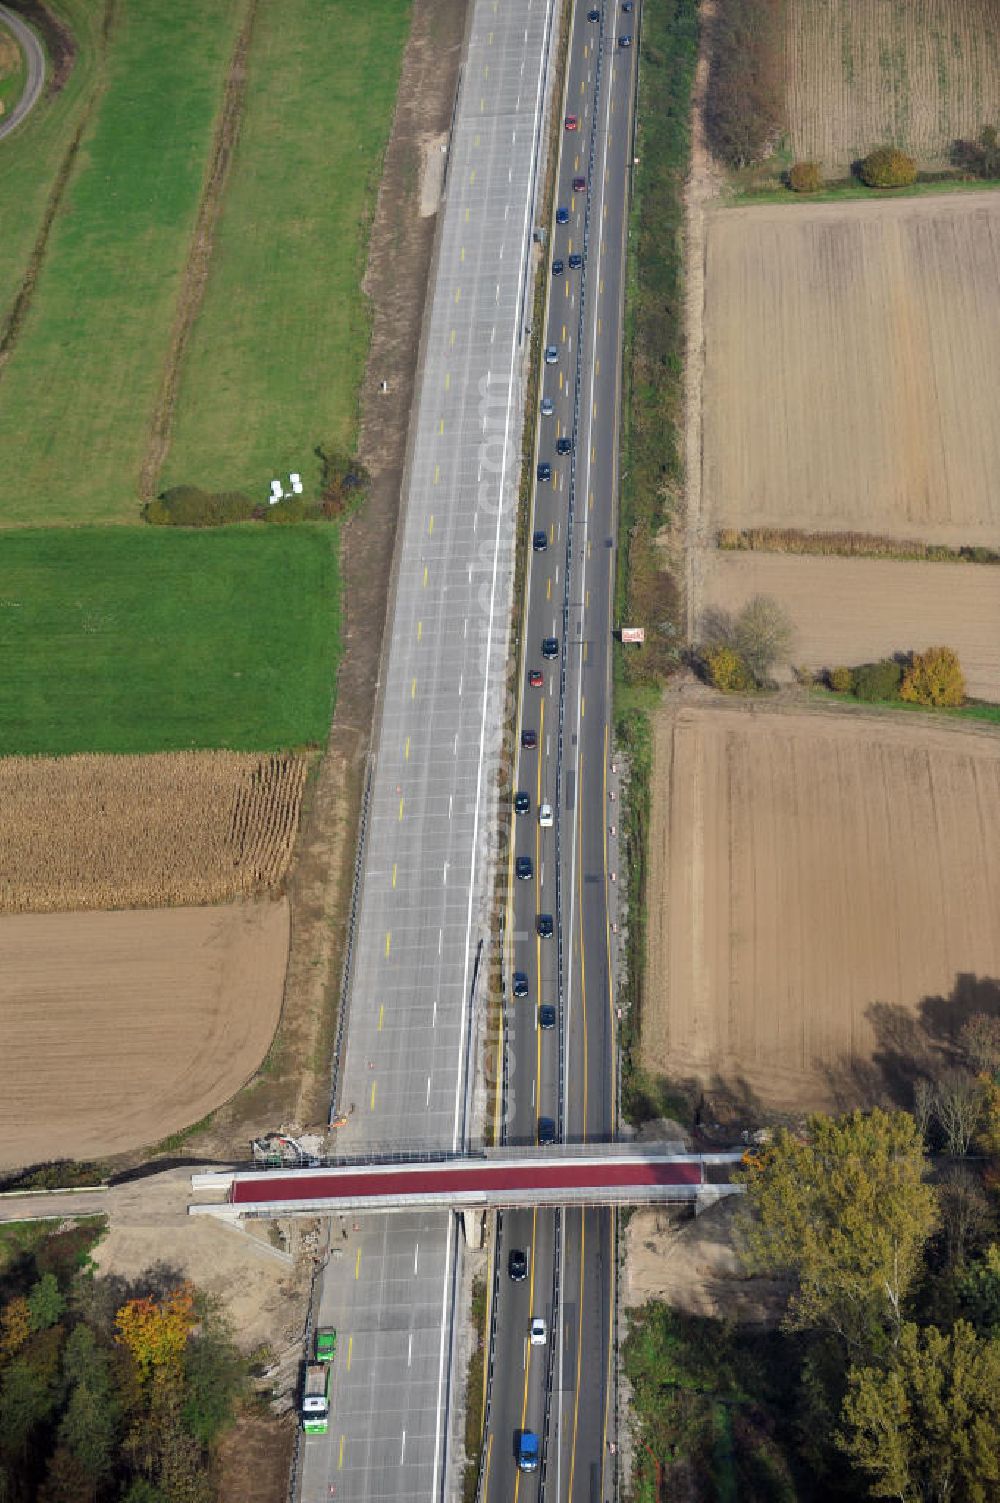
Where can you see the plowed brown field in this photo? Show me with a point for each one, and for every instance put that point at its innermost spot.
(119, 1028)
(918, 73)
(124, 832)
(851, 368)
(805, 868)
(852, 610)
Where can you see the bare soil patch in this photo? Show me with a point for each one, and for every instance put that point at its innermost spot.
(120, 1028)
(127, 832)
(817, 882)
(851, 357)
(692, 1264)
(864, 72)
(853, 610)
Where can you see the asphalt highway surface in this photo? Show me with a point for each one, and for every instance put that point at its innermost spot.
(429, 842)
(568, 1073)
(35, 79)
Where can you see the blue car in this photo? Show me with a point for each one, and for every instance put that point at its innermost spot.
(562, 216)
(557, 268)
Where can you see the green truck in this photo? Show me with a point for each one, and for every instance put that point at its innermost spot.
(316, 1398)
(326, 1344)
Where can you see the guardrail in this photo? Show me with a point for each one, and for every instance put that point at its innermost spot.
(491, 1340)
(556, 1326)
(352, 922)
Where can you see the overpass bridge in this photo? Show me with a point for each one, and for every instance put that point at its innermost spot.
(607, 1174)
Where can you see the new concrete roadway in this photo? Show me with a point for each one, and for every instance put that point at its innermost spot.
(34, 58)
(568, 1073)
(428, 850)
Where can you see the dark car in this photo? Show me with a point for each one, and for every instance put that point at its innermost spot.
(523, 869)
(550, 647)
(535, 678)
(522, 802)
(545, 472)
(579, 185)
(540, 541)
(564, 446)
(557, 268)
(624, 41)
(517, 1264)
(628, 7)
(593, 15)
(544, 925)
(546, 1130)
(546, 1015)
(572, 123)
(529, 740)
(575, 261)
(519, 985)
(562, 215)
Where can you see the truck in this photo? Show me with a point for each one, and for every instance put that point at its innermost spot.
(326, 1344)
(527, 1451)
(316, 1398)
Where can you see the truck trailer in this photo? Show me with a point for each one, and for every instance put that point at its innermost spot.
(316, 1398)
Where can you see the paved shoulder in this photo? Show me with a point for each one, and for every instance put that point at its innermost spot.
(35, 58)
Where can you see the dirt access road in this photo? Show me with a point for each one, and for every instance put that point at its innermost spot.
(35, 62)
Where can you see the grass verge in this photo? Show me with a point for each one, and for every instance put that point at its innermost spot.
(768, 190)
(122, 640)
(474, 1391)
(83, 376)
(975, 710)
(652, 471)
(277, 353)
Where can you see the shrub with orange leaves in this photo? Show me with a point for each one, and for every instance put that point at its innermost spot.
(15, 1326)
(156, 1331)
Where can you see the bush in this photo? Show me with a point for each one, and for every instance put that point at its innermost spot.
(888, 167)
(934, 677)
(805, 177)
(979, 158)
(188, 506)
(728, 671)
(841, 680)
(762, 636)
(746, 91)
(877, 681)
(344, 481)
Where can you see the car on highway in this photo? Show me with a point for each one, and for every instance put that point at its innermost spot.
(551, 354)
(519, 984)
(544, 925)
(535, 678)
(562, 214)
(564, 446)
(529, 740)
(544, 471)
(550, 647)
(523, 869)
(517, 1264)
(546, 1131)
(548, 407)
(546, 1015)
(557, 268)
(572, 123)
(522, 801)
(628, 7)
(579, 185)
(545, 816)
(575, 261)
(537, 1333)
(540, 541)
(593, 15)
(526, 1449)
(625, 41)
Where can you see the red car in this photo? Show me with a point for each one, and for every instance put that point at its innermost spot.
(535, 678)
(579, 185)
(572, 123)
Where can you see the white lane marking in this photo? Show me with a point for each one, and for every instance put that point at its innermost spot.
(440, 940)
(451, 800)
(445, 1295)
(445, 877)
(416, 1255)
(428, 1100)
(402, 1449)
(461, 677)
(434, 1014)
(409, 1351)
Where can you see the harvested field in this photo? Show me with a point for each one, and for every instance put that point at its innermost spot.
(851, 362)
(793, 933)
(120, 1028)
(851, 610)
(863, 72)
(129, 832)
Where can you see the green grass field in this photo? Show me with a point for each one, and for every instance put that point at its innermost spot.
(77, 394)
(277, 354)
(132, 640)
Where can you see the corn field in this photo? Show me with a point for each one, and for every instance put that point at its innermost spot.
(914, 73)
(127, 832)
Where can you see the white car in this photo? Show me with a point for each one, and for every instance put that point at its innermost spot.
(545, 816)
(538, 1331)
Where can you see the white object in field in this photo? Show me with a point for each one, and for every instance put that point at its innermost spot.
(296, 485)
(633, 634)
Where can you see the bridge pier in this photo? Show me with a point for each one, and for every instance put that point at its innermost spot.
(473, 1222)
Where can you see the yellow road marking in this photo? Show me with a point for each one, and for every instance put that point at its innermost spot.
(458, 293)
(548, 591)
(425, 576)
(461, 254)
(357, 1264)
(564, 333)
(381, 1006)
(350, 1346)
(441, 426)
(373, 1108)
(472, 176)
(388, 940)
(401, 809)
(340, 1457)
(466, 216)
(598, 326)
(394, 874)
(420, 630)
(430, 524)
(585, 646)
(583, 706)
(406, 749)
(413, 689)
(451, 337)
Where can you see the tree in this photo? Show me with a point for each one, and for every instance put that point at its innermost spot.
(979, 1292)
(979, 1041)
(156, 1331)
(888, 167)
(214, 1374)
(728, 671)
(846, 1212)
(45, 1302)
(934, 677)
(66, 1480)
(958, 1107)
(928, 1425)
(26, 1399)
(875, 681)
(763, 636)
(15, 1327)
(805, 177)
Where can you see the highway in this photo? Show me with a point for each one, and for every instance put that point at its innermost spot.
(569, 595)
(35, 77)
(429, 844)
